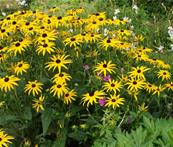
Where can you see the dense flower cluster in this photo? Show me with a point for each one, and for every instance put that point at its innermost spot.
(42, 54)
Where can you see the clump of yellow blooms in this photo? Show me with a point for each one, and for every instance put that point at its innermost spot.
(46, 54)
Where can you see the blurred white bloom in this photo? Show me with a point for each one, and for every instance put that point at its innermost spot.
(160, 48)
(171, 47)
(71, 30)
(170, 31)
(4, 14)
(105, 32)
(116, 11)
(135, 7)
(126, 18)
(114, 17)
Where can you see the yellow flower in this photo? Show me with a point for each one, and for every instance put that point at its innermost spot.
(158, 89)
(135, 84)
(5, 139)
(33, 87)
(21, 67)
(58, 61)
(164, 74)
(45, 47)
(61, 77)
(8, 82)
(91, 98)
(149, 87)
(59, 89)
(169, 86)
(38, 103)
(143, 108)
(69, 96)
(73, 41)
(114, 101)
(105, 67)
(112, 85)
(106, 43)
(138, 72)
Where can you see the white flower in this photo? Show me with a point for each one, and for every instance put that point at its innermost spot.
(105, 32)
(135, 7)
(160, 48)
(171, 47)
(126, 18)
(170, 31)
(116, 11)
(114, 17)
(4, 14)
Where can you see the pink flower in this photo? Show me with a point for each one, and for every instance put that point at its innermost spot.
(102, 102)
(106, 78)
(86, 67)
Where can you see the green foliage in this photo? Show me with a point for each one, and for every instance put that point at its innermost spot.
(150, 133)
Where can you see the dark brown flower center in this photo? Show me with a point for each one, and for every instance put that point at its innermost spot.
(97, 14)
(14, 22)
(122, 31)
(66, 95)
(164, 73)
(20, 40)
(59, 17)
(27, 23)
(113, 100)
(8, 18)
(6, 79)
(72, 39)
(45, 45)
(94, 22)
(101, 19)
(1, 47)
(104, 65)
(17, 44)
(122, 43)
(3, 30)
(134, 82)
(171, 84)
(44, 35)
(59, 86)
(33, 85)
(20, 65)
(108, 41)
(138, 71)
(149, 85)
(61, 75)
(31, 28)
(112, 85)
(58, 61)
(91, 94)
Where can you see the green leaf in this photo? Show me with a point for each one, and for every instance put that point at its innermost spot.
(61, 140)
(46, 120)
(27, 115)
(7, 119)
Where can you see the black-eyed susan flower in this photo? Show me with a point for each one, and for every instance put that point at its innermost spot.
(169, 86)
(135, 84)
(92, 37)
(112, 86)
(92, 97)
(38, 103)
(34, 87)
(8, 83)
(138, 72)
(105, 67)
(73, 41)
(69, 96)
(58, 61)
(106, 43)
(5, 139)
(21, 67)
(59, 89)
(61, 77)
(114, 101)
(158, 89)
(164, 74)
(45, 47)
(149, 87)
(143, 107)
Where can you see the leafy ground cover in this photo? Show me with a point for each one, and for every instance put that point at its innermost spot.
(84, 74)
